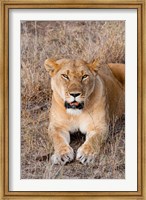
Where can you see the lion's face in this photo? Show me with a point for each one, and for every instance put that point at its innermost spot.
(73, 81)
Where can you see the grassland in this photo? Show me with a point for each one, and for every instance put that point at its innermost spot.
(65, 39)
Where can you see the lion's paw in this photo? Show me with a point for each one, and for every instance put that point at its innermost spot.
(65, 155)
(86, 154)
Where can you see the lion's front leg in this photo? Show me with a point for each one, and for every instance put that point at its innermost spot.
(63, 152)
(91, 147)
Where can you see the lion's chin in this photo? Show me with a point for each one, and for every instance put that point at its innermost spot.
(74, 111)
(74, 108)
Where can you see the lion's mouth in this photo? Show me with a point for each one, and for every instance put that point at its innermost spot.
(74, 105)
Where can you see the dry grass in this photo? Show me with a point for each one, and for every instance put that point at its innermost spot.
(86, 40)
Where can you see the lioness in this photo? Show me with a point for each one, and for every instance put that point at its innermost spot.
(85, 97)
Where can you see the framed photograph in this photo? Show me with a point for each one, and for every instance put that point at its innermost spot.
(72, 99)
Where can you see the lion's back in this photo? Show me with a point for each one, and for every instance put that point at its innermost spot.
(114, 91)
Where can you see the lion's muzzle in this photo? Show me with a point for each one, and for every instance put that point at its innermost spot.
(74, 105)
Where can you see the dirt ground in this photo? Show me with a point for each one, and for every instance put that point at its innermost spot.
(87, 40)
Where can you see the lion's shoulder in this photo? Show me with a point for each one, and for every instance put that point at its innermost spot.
(113, 82)
(118, 70)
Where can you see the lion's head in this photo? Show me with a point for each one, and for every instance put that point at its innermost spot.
(73, 81)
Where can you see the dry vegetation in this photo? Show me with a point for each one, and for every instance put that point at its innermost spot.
(86, 40)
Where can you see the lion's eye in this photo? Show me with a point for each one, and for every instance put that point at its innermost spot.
(65, 76)
(85, 77)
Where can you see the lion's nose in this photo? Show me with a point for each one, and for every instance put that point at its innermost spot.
(75, 94)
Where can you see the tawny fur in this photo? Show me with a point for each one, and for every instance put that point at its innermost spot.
(102, 92)
(118, 70)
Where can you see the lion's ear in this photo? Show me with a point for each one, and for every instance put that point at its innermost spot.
(51, 66)
(94, 66)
